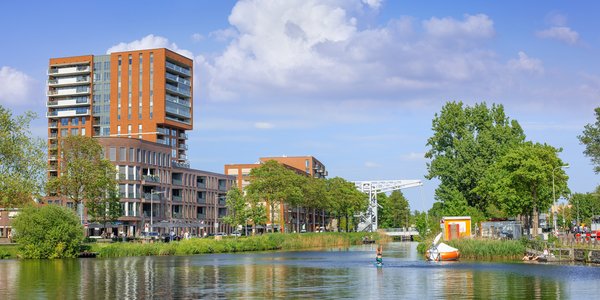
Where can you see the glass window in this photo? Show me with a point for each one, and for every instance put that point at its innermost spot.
(112, 153)
(74, 131)
(64, 132)
(74, 121)
(82, 131)
(83, 121)
(64, 121)
(144, 156)
(131, 155)
(122, 154)
(139, 156)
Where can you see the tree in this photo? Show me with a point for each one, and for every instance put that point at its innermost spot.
(591, 139)
(49, 231)
(520, 182)
(274, 183)
(85, 174)
(105, 209)
(345, 199)
(237, 208)
(584, 206)
(257, 213)
(22, 160)
(465, 142)
(394, 211)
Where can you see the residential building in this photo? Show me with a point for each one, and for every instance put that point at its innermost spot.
(308, 165)
(139, 106)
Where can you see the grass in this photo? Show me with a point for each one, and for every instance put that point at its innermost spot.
(8, 251)
(476, 248)
(227, 245)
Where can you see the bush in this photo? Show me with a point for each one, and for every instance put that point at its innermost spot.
(48, 232)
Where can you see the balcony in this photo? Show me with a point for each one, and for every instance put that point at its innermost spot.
(182, 156)
(78, 101)
(163, 131)
(183, 147)
(153, 197)
(177, 100)
(53, 125)
(53, 167)
(180, 120)
(69, 81)
(181, 165)
(177, 215)
(201, 185)
(177, 198)
(68, 113)
(200, 216)
(222, 200)
(53, 136)
(53, 147)
(177, 79)
(178, 69)
(151, 179)
(52, 158)
(183, 91)
(80, 90)
(183, 136)
(71, 70)
(201, 200)
(183, 112)
(177, 181)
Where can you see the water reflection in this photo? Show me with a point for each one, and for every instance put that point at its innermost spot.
(331, 274)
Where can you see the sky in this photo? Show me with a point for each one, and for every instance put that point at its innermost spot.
(354, 83)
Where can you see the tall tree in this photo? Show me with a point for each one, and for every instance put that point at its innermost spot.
(345, 199)
(465, 142)
(591, 139)
(22, 160)
(520, 182)
(257, 212)
(236, 208)
(275, 184)
(85, 173)
(394, 211)
(584, 206)
(105, 208)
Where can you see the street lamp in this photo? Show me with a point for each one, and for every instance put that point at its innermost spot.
(152, 193)
(554, 196)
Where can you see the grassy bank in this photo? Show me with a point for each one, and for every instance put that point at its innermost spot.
(8, 251)
(231, 244)
(483, 248)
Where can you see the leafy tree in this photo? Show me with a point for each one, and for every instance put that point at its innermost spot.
(520, 182)
(50, 231)
(274, 183)
(237, 208)
(22, 160)
(394, 211)
(105, 209)
(257, 212)
(85, 174)
(584, 206)
(465, 142)
(591, 139)
(345, 199)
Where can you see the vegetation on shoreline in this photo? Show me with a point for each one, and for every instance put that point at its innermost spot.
(8, 251)
(483, 248)
(228, 245)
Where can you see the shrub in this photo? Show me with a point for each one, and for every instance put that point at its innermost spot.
(50, 231)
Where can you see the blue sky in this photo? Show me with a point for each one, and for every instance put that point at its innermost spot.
(354, 83)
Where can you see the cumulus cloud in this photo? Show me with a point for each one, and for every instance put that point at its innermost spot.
(150, 41)
(223, 35)
(197, 37)
(15, 87)
(373, 3)
(318, 49)
(526, 63)
(560, 33)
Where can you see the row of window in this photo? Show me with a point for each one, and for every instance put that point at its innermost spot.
(140, 156)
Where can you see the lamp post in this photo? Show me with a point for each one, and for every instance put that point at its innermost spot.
(152, 193)
(554, 196)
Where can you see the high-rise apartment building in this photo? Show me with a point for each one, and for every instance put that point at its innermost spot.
(139, 106)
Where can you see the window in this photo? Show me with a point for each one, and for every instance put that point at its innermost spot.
(83, 121)
(64, 132)
(122, 154)
(139, 156)
(112, 153)
(82, 131)
(118, 129)
(74, 121)
(74, 131)
(64, 122)
(131, 155)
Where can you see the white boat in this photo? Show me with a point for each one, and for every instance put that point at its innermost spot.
(441, 251)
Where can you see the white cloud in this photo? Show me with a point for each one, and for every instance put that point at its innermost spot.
(561, 33)
(150, 41)
(197, 37)
(526, 63)
(263, 125)
(370, 164)
(15, 87)
(223, 35)
(373, 3)
(477, 26)
(413, 156)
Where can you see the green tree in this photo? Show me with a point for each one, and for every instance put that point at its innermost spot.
(465, 142)
(236, 208)
(275, 184)
(85, 173)
(520, 182)
(394, 211)
(257, 212)
(22, 160)
(584, 206)
(105, 209)
(49, 231)
(345, 200)
(591, 139)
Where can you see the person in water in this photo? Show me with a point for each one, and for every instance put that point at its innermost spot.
(379, 255)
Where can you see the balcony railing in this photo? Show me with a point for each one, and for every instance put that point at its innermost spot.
(184, 112)
(177, 100)
(200, 216)
(177, 79)
(153, 196)
(151, 178)
(201, 200)
(185, 91)
(179, 69)
(177, 215)
(183, 146)
(177, 181)
(177, 198)
(201, 185)
(53, 125)
(183, 136)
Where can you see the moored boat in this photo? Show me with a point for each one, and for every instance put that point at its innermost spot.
(441, 251)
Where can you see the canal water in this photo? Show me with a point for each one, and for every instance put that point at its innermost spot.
(339, 273)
